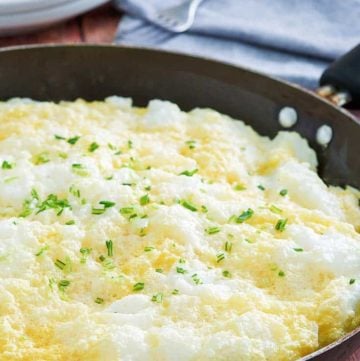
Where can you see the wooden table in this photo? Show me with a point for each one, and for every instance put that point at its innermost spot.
(97, 26)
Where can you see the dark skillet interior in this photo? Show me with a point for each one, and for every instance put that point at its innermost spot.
(94, 72)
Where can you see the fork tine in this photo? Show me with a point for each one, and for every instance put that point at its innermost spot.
(178, 18)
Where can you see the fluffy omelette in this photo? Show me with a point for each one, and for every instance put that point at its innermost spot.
(140, 234)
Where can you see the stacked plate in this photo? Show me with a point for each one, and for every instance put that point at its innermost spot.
(18, 16)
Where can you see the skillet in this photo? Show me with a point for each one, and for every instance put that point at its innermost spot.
(95, 72)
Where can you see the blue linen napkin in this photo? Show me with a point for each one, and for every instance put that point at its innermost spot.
(290, 39)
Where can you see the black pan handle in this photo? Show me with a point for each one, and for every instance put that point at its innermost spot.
(340, 82)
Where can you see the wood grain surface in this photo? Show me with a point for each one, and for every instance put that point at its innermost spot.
(97, 26)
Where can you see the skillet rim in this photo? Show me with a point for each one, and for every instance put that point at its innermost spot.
(179, 55)
(282, 82)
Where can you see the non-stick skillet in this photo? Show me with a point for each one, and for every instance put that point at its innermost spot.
(94, 72)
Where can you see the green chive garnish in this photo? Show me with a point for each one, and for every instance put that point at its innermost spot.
(144, 200)
(93, 147)
(220, 257)
(109, 246)
(158, 297)
(212, 230)
(188, 205)
(60, 264)
(73, 140)
(181, 270)
(6, 165)
(189, 173)
(226, 274)
(281, 224)
(138, 286)
(244, 216)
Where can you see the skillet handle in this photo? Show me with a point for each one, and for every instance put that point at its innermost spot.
(340, 82)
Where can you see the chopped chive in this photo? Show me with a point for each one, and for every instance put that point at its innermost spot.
(98, 211)
(189, 173)
(283, 192)
(148, 249)
(127, 210)
(181, 270)
(281, 224)
(226, 274)
(60, 264)
(59, 137)
(239, 187)
(158, 297)
(182, 261)
(190, 144)
(298, 249)
(10, 179)
(244, 216)
(109, 246)
(281, 274)
(109, 177)
(41, 251)
(84, 254)
(107, 204)
(261, 187)
(34, 194)
(52, 202)
(74, 192)
(352, 281)
(77, 166)
(148, 188)
(107, 263)
(79, 169)
(130, 144)
(204, 209)
(99, 300)
(144, 200)
(212, 230)
(62, 155)
(228, 246)
(42, 158)
(70, 223)
(188, 205)
(196, 279)
(138, 286)
(128, 184)
(63, 284)
(6, 165)
(93, 146)
(220, 257)
(159, 270)
(175, 292)
(52, 282)
(73, 140)
(275, 209)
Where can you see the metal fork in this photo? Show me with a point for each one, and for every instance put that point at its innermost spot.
(178, 18)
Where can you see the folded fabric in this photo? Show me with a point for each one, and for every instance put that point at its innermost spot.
(293, 40)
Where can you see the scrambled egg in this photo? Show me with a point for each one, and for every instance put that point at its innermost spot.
(153, 234)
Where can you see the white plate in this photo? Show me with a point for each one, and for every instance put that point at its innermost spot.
(18, 16)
